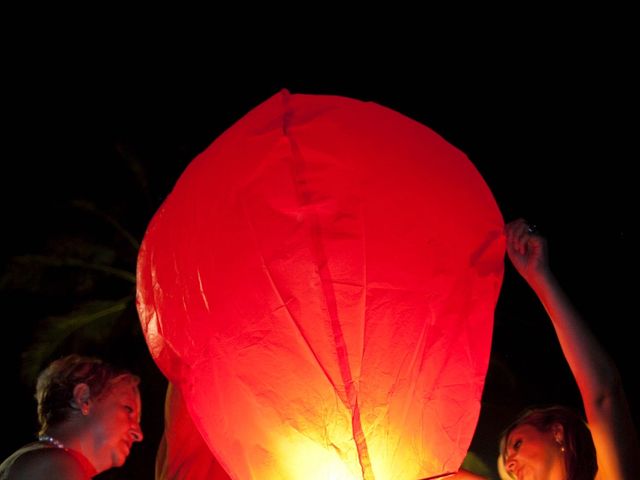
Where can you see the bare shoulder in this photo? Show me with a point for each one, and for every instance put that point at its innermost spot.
(47, 463)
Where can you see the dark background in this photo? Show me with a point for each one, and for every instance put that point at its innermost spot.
(100, 133)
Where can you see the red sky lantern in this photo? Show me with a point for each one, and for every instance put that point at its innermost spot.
(319, 287)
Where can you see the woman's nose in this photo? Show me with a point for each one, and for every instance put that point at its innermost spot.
(136, 432)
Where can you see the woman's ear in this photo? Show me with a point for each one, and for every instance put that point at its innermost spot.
(82, 398)
(558, 434)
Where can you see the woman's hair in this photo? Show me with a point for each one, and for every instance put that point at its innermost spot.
(55, 385)
(579, 451)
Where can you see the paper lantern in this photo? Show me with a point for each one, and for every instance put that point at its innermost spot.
(183, 454)
(320, 287)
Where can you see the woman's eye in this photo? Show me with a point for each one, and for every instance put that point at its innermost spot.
(128, 408)
(517, 444)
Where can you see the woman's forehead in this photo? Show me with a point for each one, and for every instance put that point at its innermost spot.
(524, 429)
(126, 390)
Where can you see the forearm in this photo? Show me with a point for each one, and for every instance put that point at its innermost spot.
(594, 371)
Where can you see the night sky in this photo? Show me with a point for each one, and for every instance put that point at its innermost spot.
(106, 136)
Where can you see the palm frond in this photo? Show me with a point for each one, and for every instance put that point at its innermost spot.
(473, 463)
(52, 261)
(93, 319)
(90, 207)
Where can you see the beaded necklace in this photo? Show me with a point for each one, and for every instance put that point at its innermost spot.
(49, 439)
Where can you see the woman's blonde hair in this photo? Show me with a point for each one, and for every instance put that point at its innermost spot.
(56, 383)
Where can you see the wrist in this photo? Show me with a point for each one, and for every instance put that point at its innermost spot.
(541, 280)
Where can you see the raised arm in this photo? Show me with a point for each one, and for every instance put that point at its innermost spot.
(598, 380)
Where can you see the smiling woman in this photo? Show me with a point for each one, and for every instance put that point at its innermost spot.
(89, 414)
(548, 442)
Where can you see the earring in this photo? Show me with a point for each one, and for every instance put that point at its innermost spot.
(560, 444)
(85, 410)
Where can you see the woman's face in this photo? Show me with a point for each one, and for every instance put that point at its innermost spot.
(531, 454)
(116, 424)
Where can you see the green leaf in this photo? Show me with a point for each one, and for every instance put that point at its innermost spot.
(473, 463)
(74, 262)
(91, 321)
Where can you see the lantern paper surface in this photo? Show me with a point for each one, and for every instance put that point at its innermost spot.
(183, 454)
(320, 287)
